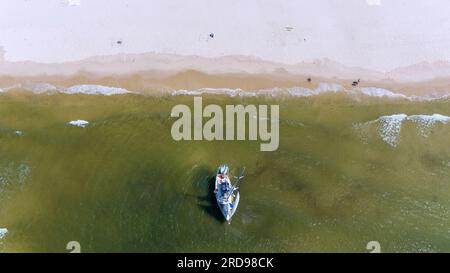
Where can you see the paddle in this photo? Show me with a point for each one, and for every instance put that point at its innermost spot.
(237, 182)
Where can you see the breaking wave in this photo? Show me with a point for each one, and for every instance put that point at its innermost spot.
(94, 90)
(380, 92)
(389, 127)
(3, 232)
(322, 88)
(213, 91)
(89, 89)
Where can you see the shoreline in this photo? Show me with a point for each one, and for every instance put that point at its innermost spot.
(156, 83)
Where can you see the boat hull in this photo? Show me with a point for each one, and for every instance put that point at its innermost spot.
(228, 210)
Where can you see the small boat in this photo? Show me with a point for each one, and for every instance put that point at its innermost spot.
(227, 195)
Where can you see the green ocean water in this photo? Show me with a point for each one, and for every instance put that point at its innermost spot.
(122, 184)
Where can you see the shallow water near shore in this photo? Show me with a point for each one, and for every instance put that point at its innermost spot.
(122, 184)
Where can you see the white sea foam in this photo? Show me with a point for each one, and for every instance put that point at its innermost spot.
(92, 89)
(89, 89)
(273, 92)
(214, 91)
(425, 123)
(301, 92)
(3, 232)
(429, 97)
(247, 94)
(292, 91)
(307, 92)
(79, 123)
(186, 92)
(380, 92)
(39, 88)
(430, 119)
(389, 127)
(329, 87)
(8, 88)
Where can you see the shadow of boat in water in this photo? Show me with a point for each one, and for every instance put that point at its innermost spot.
(208, 202)
(203, 183)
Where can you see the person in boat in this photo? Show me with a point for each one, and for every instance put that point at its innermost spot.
(221, 178)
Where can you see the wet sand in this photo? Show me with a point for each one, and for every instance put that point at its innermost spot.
(155, 82)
